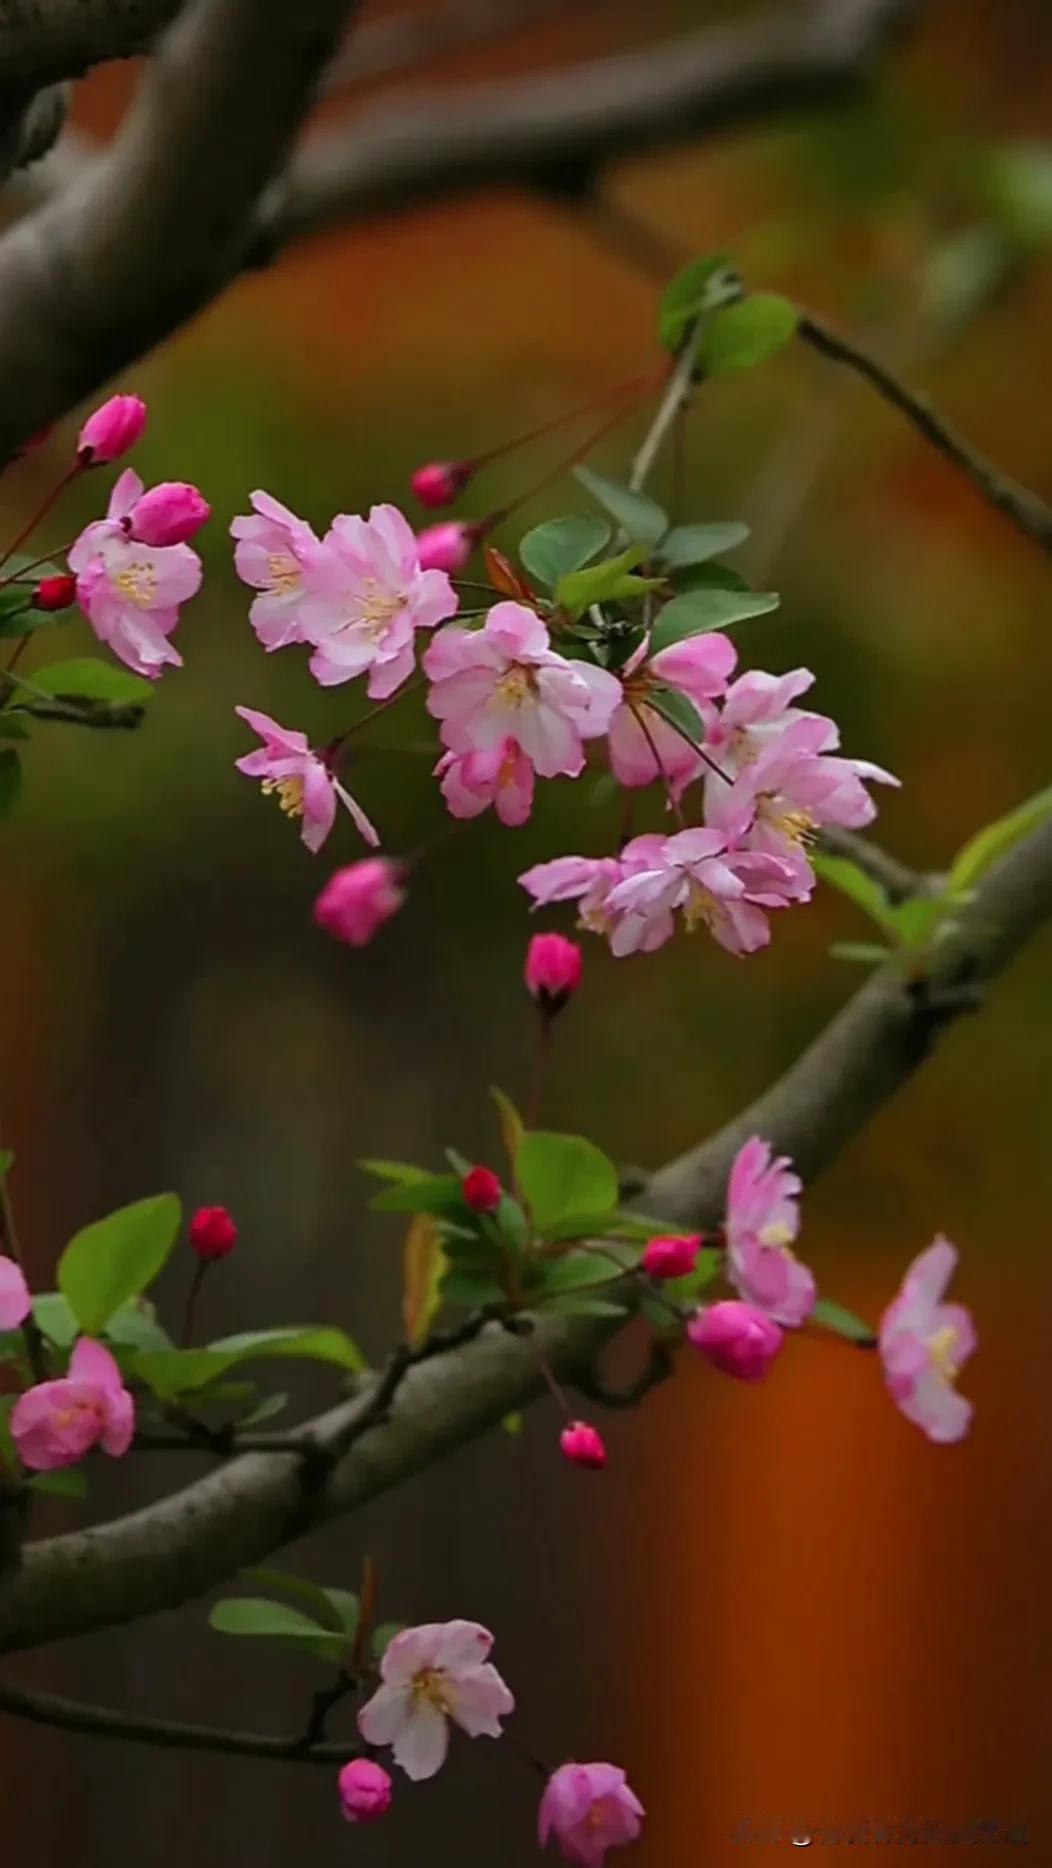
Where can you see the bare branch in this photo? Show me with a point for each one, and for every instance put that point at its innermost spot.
(42, 41)
(399, 42)
(70, 1715)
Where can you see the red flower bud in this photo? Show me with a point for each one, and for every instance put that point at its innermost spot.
(671, 1256)
(553, 971)
(213, 1233)
(446, 547)
(582, 1445)
(482, 1190)
(439, 482)
(55, 593)
(111, 431)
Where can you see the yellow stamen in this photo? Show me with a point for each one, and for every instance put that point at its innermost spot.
(429, 1688)
(289, 794)
(516, 687)
(797, 826)
(942, 1348)
(284, 573)
(138, 583)
(776, 1234)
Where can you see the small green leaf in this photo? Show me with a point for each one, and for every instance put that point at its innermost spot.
(988, 845)
(710, 576)
(54, 1319)
(696, 544)
(470, 1289)
(425, 1193)
(746, 333)
(274, 1621)
(10, 781)
(609, 582)
(398, 1171)
(67, 1482)
(13, 726)
(423, 1263)
(862, 889)
(171, 1372)
(268, 1409)
(697, 612)
(640, 517)
(117, 1258)
(90, 679)
(335, 1609)
(17, 617)
(512, 1425)
(382, 1636)
(577, 1271)
(699, 288)
(562, 545)
(843, 1323)
(564, 1178)
(512, 1127)
(862, 952)
(570, 1305)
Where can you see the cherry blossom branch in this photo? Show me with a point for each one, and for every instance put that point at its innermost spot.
(71, 1715)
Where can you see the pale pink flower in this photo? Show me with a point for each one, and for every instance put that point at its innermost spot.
(356, 901)
(56, 1423)
(924, 1343)
(168, 514)
(368, 595)
(737, 1338)
(726, 890)
(129, 591)
(505, 681)
(446, 547)
(762, 1220)
(589, 1808)
(590, 881)
(273, 553)
(501, 777)
(365, 1791)
(755, 710)
(300, 779)
(431, 1674)
(643, 746)
(793, 788)
(111, 430)
(14, 1295)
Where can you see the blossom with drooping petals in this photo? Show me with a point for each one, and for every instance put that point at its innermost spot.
(356, 901)
(431, 1674)
(56, 1423)
(130, 591)
(671, 1255)
(761, 1222)
(111, 430)
(590, 881)
(55, 593)
(501, 777)
(168, 514)
(439, 482)
(553, 971)
(505, 681)
(300, 779)
(589, 1808)
(754, 711)
(726, 890)
(369, 593)
(273, 552)
(793, 788)
(582, 1445)
(482, 1190)
(446, 547)
(212, 1232)
(643, 746)
(365, 1791)
(737, 1338)
(924, 1343)
(14, 1295)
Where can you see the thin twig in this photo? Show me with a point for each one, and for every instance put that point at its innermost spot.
(100, 1722)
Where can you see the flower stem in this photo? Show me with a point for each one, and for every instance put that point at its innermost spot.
(42, 512)
(186, 1334)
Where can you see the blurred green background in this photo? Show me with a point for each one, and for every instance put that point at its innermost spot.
(778, 1604)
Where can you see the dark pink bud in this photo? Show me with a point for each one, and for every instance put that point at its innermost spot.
(482, 1190)
(439, 482)
(582, 1445)
(168, 514)
(737, 1338)
(356, 901)
(213, 1233)
(365, 1791)
(55, 593)
(111, 431)
(671, 1255)
(553, 971)
(446, 547)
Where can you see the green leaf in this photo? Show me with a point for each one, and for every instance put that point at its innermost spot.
(577, 1271)
(425, 1193)
(423, 1264)
(710, 576)
(382, 1636)
(117, 1258)
(843, 1322)
(268, 1409)
(335, 1609)
(562, 545)
(90, 679)
(399, 1171)
(13, 726)
(609, 582)
(859, 887)
(135, 1326)
(746, 333)
(988, 845)
(864, 953)
(512, 1127)
(697, 612)
(564, 1178)
(10, 781)
(172, 1372)
(570, 1305)
(54, 1319)
(470, 1289)
(1017, 185)
(698, 289)
(696, 544)
(67, 1482)
(274, 1621)
(17, 617)
(680, 712)
(640, 517)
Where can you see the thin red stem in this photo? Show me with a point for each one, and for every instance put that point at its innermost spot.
(186, 1334)
(564, 420)
(55, 494)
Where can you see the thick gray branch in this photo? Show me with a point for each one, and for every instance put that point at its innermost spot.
(169, 1552)
(42, 41)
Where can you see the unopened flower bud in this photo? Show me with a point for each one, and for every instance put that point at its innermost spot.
(111, 431)
(737, 1338)
(446, 547)
(365, 1791)
(55, 593)
(439, 482)
(213, 1234)
(671, 1256)
(356, 901)
(482, 1190)
(168, 514)
(582, 1445)
(553, 971)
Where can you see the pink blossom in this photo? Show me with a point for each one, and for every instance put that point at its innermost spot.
(671, 1255)
(726, 890)
(791, 789)
(553, 971)
(446, 547)
(643, 746)
(762, 1220)
(582, 1445)
(737, 1338)
(273, 553)
(365, 1791)
(129, 591)
(14, 1295)
(56, 1423)
(439, 482)
(754, 711)
(504, 681)
(924, 1343)
(368, 595)
(589, 1808)
(431, 1674)
(591, 881)
(300, 779)
(111, 430)
(356, 901)
(503, 777)
(168, 514)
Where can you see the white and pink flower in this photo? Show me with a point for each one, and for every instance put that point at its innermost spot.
(300, 780)
(589, 1808)
(726, 890)
(131, 592)
(761, 1223)
(924, 1343)
(643, 746)
(368, 596)
(590, 882)
(501, 777)
(14, 1295)
(429, 1675)
(55, 1423)
(792, 789)
(273, 553)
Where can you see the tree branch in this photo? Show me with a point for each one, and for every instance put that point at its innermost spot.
(70, 1715)
(175, 1550)
(42, 41)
